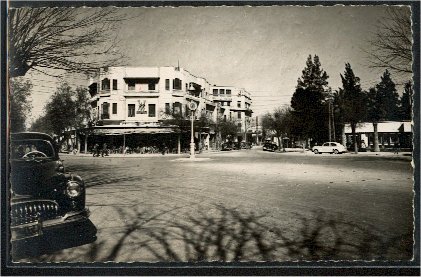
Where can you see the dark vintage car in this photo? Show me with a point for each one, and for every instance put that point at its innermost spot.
(47, 206)
(245, 145)
(269, 146)
(226, 146)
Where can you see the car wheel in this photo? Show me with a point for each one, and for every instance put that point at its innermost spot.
(335, 151)
(316, 151)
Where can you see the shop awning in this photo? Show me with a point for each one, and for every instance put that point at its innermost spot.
(382, 127)
(126, 131)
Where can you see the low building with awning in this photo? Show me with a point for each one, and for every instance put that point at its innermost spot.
(389, 132)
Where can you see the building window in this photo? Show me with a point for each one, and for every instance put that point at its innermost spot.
(167, 84)
(177, 84)
(151, 86)
(177, 108)
(114, 108)
(131, 110)
(239, 115)
(114, 84)
(151, 110)
(105, 110)
(228, 103)
(222, 91)
(131, 84)
(167, 108)
(228, 92)
(215, 92)
(105, 84)
(225, 117)
(238, 104)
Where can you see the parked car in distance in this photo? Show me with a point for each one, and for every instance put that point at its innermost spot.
(47, 205)
(226, 146)
(329, 147)
(245, 145)
(269, 146)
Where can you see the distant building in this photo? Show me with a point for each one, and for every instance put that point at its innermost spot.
(236, 106)
(389, 132)
(129, 104)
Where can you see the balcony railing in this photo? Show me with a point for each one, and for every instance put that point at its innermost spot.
(222, 98)
(105, 91)
(177, 92)
(150, 93)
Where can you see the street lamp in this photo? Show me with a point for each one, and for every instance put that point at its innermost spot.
(192, 107)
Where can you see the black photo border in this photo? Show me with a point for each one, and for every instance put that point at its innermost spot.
(406, 268)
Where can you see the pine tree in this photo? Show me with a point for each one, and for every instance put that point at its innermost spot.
(354, 108)
(314, 77)
(308, 101)
(406, 102)
(388, 97)
(375, 113)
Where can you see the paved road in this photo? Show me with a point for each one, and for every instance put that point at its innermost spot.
(246, 205)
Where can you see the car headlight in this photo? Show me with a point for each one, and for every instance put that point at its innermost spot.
(73, 189)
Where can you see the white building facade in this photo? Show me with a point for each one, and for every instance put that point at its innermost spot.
(136, 100)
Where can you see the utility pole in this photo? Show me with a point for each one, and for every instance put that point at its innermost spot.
(257, 130)
(245, 127)
(330, 131)
(333, 122)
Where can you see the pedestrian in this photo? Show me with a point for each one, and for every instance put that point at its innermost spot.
(396, 147)
(95, 150)
(104, 150)
(363, 147)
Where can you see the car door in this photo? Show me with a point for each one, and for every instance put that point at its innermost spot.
(333, 147)
(324, 148)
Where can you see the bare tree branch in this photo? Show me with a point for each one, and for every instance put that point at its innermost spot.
(71, 39)
(391, 46)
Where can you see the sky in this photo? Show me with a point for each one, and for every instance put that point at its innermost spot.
(261, 49)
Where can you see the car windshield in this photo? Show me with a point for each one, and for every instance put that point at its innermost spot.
(31, 149)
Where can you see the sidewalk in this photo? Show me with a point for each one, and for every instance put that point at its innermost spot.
(137, 155)
(383, 154)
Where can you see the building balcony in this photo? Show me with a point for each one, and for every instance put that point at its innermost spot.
(178, 93)
(142, 93)
(192, 97)
(105, 92)
(222, 98)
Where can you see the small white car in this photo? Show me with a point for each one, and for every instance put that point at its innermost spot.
(329, 147)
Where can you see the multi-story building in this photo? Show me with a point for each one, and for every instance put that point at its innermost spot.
(136, 100)
(236, 106)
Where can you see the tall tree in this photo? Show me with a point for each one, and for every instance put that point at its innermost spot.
(406, 102)
(278, 122)
(313, 76)
(388, 96)
(20, 105)
(61, 112)
(353, 101)
(375, 113)
(72, 39)
(391, 46)
(308, 101)
(228, 129)
(179, 121)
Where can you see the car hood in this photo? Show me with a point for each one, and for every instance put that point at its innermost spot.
(33, 177)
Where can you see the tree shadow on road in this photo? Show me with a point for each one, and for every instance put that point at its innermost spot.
(215, 233)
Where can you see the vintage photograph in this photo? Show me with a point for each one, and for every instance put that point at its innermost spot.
(278, 133)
